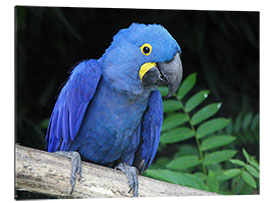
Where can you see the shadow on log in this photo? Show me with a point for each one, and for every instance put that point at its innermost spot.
(47, 173)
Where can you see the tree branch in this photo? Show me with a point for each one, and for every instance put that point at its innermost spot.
(47, 173)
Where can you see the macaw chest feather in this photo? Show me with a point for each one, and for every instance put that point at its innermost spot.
(110, 126)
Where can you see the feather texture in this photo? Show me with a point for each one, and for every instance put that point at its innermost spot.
(71, 105)
(150, 132)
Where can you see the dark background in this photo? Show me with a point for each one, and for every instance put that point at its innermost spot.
(222, 47)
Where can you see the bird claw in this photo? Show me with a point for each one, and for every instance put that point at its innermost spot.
(131, 173)
(76, 167)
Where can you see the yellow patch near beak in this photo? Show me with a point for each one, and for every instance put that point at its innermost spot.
(145, 68)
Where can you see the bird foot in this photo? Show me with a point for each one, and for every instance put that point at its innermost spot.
(131, 173)
(76, 167)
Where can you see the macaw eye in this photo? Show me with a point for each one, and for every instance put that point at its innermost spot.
(146, 49)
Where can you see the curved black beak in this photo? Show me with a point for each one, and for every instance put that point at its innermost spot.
(166, 73)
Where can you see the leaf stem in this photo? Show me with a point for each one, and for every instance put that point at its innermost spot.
(239, 176)
(196, 138)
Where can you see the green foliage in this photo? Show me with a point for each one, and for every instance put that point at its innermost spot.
(248, 179)
(211, 126)
(44, 124)
(218, 156)
(213, 182)
(249, 170)
(195, 100)
(184, 162)
(180, 178)
(173, 121)
(173, 135)
(246, 128)
(230, 173)
(205, 113)
(186, 86)
(212, 163)
(237, 162)
(171, 105)
(216, 141)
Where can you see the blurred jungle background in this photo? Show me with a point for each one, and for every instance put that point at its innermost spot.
(220, 56)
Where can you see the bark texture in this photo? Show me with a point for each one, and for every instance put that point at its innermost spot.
(47, 173)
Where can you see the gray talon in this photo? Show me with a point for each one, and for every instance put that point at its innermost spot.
(131, 173)
(76, 167)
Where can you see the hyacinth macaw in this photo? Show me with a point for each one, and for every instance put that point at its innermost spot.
(110, 112)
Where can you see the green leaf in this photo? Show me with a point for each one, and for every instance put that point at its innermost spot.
(255, 164)
(205, 113)
(255, 122)
(161, 162)
(186, 86)
(219, 156)
(196, 99)
(229, 128)
(177, 178)
(249, 179)
(184, 162)
(162, 174)
(212, 126)
(237, 124)
(176, 135)
(213, 183)
(173, 121)
(195, 182)
(238, 184)
(252, 171)
(220, 175)
(163, 90)
(200, 175)
(186, 149)
(246, 190)
(246, 121)
(231, 173)
(237, 162)
(171, 105)
(44, 123)
(215, 167)
(245, 154)
(216, 141)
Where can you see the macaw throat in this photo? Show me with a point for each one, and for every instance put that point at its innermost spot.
(166, 73)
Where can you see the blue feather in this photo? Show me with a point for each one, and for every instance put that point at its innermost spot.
(150, 133)
(71, 105)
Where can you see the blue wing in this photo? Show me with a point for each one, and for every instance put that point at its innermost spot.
(150, 132)
(71, 105)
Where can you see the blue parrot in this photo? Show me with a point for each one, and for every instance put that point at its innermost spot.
(109, 111)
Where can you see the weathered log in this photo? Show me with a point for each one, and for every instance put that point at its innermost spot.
(48, 173)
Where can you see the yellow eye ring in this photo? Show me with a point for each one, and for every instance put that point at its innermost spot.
(146, 49)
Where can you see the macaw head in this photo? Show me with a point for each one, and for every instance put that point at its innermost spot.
(142, 57)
